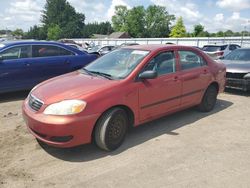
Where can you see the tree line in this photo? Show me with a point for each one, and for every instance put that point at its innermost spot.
(60, 20)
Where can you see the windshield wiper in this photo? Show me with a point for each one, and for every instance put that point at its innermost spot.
(83, 70)
(105, 75)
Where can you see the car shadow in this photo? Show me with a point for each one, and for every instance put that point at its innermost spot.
(13, 96)
(237, 92)
(136, 136)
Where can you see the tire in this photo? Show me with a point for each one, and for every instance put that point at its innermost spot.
(111, 129)
(209, 99)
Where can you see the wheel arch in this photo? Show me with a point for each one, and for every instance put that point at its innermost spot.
(216, 85)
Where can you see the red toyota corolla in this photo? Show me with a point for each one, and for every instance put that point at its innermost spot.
(126, 87)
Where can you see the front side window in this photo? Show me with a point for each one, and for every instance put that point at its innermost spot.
(190, 60)
(18, 52)
(118, 64)
(49, 51)
(163, 63)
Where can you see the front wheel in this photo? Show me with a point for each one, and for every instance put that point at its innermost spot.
(209, 99)
(111, 129)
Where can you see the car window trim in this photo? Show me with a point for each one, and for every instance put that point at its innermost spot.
(204, 60)
(14, 46)
(153, 56)
(54, 46)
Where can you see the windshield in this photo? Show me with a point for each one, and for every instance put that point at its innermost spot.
(214, 48)
(117, 64)
(240, 55)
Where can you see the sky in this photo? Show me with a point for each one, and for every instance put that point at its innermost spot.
(215, 15)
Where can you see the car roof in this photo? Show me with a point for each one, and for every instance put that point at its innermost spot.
(21, 42)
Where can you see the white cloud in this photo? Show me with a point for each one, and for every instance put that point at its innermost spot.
(26, 7)
(21, 14)
(111, 10)
(235, 5)
(234, 22)
(187, 9)
(93, 10)
(219, 17)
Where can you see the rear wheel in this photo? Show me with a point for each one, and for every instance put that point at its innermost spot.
(209, 99)
(111, 129)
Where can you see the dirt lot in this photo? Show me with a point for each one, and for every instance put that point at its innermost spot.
(187, 149)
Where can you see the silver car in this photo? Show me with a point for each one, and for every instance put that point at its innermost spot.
(238, 69)
(219, 51)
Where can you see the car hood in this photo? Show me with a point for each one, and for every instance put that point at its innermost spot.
(70, 86)
(237, 66)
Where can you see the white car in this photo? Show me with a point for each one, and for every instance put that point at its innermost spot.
(76, 46)
(219, 51)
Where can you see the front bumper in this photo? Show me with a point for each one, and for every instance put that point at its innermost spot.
(59, 131)
(241, 84)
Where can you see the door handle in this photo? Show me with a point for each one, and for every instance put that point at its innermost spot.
(27, 64)
(176, 78)
(205, 71)
(67, 62)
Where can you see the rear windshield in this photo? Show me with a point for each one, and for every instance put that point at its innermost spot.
(239, 55)
(213, 48)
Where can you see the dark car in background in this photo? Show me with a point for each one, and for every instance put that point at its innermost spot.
(238, 69)
(24, 64)
(219, 51)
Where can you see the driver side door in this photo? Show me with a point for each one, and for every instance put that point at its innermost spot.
(14, 68)
(160, 95)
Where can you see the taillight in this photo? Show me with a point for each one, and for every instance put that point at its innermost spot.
(220, 53)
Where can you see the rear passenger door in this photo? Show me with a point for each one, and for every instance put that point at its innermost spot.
(50, 61)
(195, 76)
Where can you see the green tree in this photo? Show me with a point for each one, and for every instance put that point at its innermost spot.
(157, 21)
(140, 22)
(54, 32)
(229, 33)
(136, 21)
(198, 30)
(18, 33)
(119, 20)
(179, 29)
(220, 34)
(61, 13)
(103, 28)
(36, 32)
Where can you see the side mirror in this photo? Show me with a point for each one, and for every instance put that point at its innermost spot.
(148, 75)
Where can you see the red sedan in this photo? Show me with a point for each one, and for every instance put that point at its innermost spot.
(126, 87)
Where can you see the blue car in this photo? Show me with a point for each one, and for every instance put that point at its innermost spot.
(25, 64)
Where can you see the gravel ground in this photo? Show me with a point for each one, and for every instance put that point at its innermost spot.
(187, 149)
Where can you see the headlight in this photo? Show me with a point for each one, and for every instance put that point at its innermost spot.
(247, 76)
(67, 107)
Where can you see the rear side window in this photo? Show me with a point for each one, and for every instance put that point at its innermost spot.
(163, 63)
(190, 60)
(18, 52)
(49, 51)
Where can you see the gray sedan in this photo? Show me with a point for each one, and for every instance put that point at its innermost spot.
(238, 69)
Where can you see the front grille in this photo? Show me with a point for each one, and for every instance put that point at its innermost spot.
(35, 103)
(235, 75)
